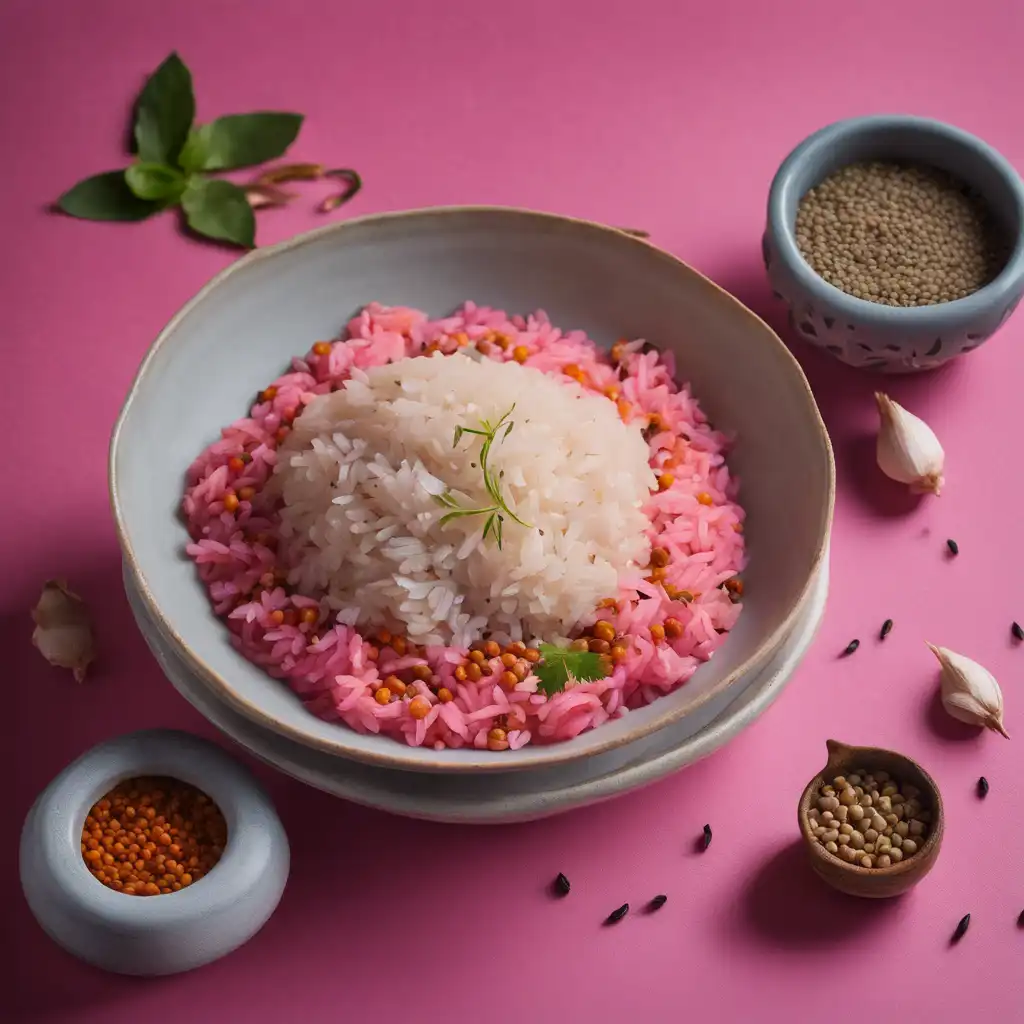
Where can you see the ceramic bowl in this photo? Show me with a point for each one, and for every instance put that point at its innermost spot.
(243, 327)
(868, 334)
(164, 934)
(853, 879)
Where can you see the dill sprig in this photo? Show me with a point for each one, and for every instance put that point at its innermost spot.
(498, 508)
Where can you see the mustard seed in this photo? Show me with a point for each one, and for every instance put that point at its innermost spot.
(899, 234)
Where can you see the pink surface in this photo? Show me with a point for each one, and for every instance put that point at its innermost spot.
(669, 116)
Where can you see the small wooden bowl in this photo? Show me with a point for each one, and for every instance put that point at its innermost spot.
(875, 883)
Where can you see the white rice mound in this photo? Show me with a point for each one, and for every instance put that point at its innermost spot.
(361, 470)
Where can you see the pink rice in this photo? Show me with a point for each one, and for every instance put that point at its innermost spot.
(336, 671)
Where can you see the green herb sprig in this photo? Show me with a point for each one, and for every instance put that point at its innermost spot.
(560, 664)
(498, 509)
(175, 156)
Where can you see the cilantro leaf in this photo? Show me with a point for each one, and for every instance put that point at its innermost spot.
(557, 664)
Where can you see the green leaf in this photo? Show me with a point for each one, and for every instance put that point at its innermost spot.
(106, 197)
(559, 663)
(219, 210)
(193, 153)
(164, 112)
(155, 181)
(241, 140)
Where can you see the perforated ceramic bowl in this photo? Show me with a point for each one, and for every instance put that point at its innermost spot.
(244, 326)
(868, 334)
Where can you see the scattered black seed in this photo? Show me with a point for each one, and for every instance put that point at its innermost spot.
(617, 915)
(983, 787)
(954, 548)
(707, 836)
(1018, 633)
(657, 903)
(850, 648)
(961, 928)
(886, 629)
(561, 885)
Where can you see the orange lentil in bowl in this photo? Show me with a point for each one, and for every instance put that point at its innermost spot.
(153, 836)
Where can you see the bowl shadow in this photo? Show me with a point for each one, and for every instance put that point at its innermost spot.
(786, 905)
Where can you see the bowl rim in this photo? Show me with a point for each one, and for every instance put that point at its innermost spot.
(903, 867)
(412, 758)
(1000, 290)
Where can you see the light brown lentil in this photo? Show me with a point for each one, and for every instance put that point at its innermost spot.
(899, 234)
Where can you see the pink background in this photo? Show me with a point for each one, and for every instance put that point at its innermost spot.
(668, 115)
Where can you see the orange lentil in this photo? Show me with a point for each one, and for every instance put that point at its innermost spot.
(236, 464)
(483, 347)
(372, 654)
(473, 672)
(460, 673)
(399, 645)
(532, 655)
(734, 586)
(501, 341)
(419, 707)
(612, 392)
(520, 353)
(277, 616)
(246, 493)
(738, 527)
(705, 499)
(673, 628)
(508, 659)
(396, 686)
(657, 632)
(618, 352)
(665, 481)
(384, 637)
(322, 348)
(509, 680)
(281, 434)
(603, 630)
(444, 695)
(659, 558)
(382, 695)
(573, 371)
(492, 648)
(600, 646)
(517, 647)
(309, 616)
(618, 652)
(609, 602)
(151, 808)
(421, 672)
(498, 735)
(230, 501)
(268, 394)
(478, 656)
(624, 409)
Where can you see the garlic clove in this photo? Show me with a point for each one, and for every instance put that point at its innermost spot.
(63, 633)
(970, 692)
(908, 450)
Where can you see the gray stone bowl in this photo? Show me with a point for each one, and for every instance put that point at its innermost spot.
(150, 935)
(868, 334)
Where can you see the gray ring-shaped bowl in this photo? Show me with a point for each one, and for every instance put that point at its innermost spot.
(868, 334)
(150, 935)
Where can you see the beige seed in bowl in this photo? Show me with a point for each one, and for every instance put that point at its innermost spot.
(876, 827)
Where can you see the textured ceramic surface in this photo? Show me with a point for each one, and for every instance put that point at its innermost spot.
(873, 883)
(515, 796)
(868, 334)
(153, 934)
(242, 328)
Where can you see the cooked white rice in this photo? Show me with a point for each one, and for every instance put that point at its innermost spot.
(362, 468)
